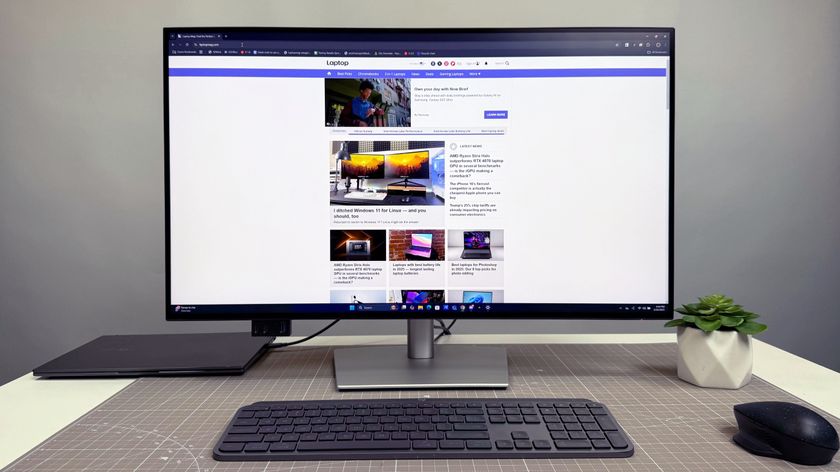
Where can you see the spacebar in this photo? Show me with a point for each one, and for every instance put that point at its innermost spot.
(352, 445)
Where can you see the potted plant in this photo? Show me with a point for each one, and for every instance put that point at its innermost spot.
(714, 342)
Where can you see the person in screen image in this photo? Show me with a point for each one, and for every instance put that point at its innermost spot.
(363, 110)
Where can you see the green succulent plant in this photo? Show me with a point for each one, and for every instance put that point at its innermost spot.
(717, 312)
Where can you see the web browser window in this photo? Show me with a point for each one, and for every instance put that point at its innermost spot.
(404, 176)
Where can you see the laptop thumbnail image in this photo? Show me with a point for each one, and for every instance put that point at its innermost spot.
(477, 297)
(421, 245)
(476, 245)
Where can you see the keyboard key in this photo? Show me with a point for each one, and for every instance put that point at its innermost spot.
(399, 435)
(556, 427)
(559, 435)
(308, 437)
(353, 445)
(469, 411)
(380, 435)
(243, 438)
(436, 435)
(573, 444)
(616, 439)
(470, 427)
(283, 447)
(578, 405)
(514, 419)
(568, 418)
(595, 435)
(504, 444)
(590, 427)
(344, 436)
(606, 423)
(577, 435)
(519, 435)
(522, 444)
(427, 444)
(467, 435)
(479, 444)
(231, 447)
(600, 444)
(250, 422)
(417, 435)
(451, 444)
(573, 427)
(365, 436)
(244, 430)
(496, 418)
(531, 419)
(581, 411)
(586, 419)
(542, 444)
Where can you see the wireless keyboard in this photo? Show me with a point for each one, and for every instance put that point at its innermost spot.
(476, 428)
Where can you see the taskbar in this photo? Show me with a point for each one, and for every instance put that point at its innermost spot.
(438, 309)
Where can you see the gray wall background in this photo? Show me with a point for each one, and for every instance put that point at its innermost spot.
(81, 159)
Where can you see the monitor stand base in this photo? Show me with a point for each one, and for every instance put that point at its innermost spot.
(450, 366)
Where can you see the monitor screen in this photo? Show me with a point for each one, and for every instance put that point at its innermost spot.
(477, 239)
(371, 166)
(408, 164)
(540, 159)
(478, 297)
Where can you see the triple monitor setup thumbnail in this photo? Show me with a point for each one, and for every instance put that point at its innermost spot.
(565, 213)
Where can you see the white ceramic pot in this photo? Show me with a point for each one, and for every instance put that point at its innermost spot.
(720, 359)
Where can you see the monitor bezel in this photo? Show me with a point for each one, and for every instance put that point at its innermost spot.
(540, 313)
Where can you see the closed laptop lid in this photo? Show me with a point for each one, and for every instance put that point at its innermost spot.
(158, 354)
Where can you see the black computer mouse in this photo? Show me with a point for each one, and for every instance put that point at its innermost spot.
(785, 431)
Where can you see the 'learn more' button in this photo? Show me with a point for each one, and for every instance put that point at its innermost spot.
(495, 114)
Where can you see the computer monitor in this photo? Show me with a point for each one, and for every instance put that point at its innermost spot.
(558, 139)
(407, 165)
(371, 166)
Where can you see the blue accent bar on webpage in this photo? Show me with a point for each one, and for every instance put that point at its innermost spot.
(417, 74)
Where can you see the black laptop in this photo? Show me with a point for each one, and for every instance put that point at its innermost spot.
(159, 354)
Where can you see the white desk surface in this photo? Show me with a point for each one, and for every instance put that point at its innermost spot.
(58, 403)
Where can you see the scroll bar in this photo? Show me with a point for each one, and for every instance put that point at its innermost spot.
(668, 84)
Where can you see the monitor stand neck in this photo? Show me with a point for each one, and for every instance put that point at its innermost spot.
(420, 364)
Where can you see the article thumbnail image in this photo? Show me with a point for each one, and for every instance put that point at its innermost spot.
(416, 245)
(475, 296)
(357, 245)
(390, 173)
(475, 244)
(368, 102)
(358, 296)
(417, 296)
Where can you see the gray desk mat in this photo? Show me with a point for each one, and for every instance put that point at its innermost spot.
(171, 424)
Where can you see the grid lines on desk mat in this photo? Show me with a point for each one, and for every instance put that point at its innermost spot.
(172, 424)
